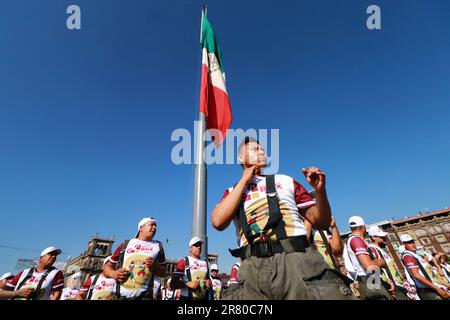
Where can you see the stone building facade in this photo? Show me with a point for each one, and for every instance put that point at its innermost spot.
(90, 262)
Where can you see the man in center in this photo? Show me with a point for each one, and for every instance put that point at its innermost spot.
(268, 212)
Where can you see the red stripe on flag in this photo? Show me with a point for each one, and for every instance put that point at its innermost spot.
(215, 104)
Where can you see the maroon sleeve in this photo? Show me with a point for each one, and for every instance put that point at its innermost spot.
(410, 261)
(58, 281)
(375, 253)
(302, 198)
(86, 285)
(181, 265)
(358, 246)
(11, 284)
(115, 256)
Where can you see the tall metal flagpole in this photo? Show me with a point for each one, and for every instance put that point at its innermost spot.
(199, 208)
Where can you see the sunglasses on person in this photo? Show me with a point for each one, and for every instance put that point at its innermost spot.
(198, 244)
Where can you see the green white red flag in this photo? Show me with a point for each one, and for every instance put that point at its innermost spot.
(214, 100)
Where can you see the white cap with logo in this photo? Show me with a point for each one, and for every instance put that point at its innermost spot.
(214, 267)
(50, 249)
(375, 231)
(356, 221)
(195, 240)
(406, 238)
(142, 222)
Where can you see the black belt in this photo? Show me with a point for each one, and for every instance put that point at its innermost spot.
(263, 249)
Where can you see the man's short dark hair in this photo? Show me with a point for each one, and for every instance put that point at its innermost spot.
(246, 140)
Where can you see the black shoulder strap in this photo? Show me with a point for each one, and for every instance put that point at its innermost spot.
(275, 218)
(92, 287)
(41, 281)
(187, 270)
(28, 276)
(122, 254)
(327, 245)
(208, 276)
(120, 261)
(275, 221)
(244, 224)
(161, 251)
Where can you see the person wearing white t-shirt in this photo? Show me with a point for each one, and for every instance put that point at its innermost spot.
(392, 278)
(441, 259)
(7, 294)
(136, 262)
(99, 287)
(361, 263)
(46, 281)
(192, 274)
(216, 282)
(421, 272)
(70, 292)
(268, 211)
(332, 237)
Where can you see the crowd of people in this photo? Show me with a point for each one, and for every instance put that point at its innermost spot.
(289, 247)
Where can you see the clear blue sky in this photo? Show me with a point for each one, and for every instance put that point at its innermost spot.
(86, 116)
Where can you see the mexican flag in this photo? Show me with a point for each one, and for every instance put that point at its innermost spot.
(214, 101)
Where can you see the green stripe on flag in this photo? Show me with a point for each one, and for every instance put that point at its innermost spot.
(209, 41)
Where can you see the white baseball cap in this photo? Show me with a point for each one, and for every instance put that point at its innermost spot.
(76, 275)
(375, 231)
(195, 240)
(356, 221)
(142, 222)
(406, 238)
(214, 267)
(6, 276)
(50, 249)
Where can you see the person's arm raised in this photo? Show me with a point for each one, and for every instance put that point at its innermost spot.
(319, 215)
(223, 213)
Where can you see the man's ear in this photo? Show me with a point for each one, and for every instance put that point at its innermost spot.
(240, 158)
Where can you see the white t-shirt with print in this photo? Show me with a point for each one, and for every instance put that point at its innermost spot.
(140, 279)
(103, 289)
(53, 281)
(293, 199)
(69, 294)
